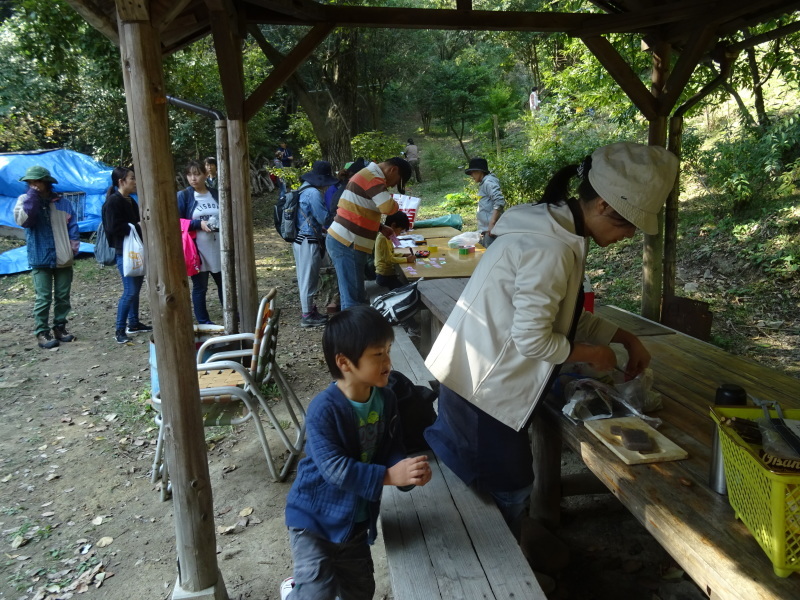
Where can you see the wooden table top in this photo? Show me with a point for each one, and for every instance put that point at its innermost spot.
(444, 262)
(672, 500)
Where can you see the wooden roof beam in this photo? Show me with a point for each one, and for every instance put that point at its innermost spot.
(166, 14)
(767, 36)
(655, 16)
(229, 59)
(699, 44)
(96, 18)
(623, 75)
(303, 10)
(283, 70)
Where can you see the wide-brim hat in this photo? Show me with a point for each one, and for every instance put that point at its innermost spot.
(37, 173)
(635, 180)
(477, 164)
(320, 174)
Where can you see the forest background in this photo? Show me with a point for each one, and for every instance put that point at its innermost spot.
(461, 94)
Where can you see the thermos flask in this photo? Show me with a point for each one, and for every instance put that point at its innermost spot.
(728, 394)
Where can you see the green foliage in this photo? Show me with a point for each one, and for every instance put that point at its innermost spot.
(748, 166)
(438, 163)
(376, 145)
(308, 146)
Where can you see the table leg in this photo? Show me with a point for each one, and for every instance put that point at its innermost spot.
(546, 446)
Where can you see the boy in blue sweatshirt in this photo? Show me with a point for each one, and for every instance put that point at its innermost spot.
(354, 448)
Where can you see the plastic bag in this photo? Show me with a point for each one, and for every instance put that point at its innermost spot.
(589, 399)
(409, 205)
(464, 240)
(132, 254)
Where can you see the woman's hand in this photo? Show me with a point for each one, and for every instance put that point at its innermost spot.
(204, 226)
(638, 356)
(602, 358)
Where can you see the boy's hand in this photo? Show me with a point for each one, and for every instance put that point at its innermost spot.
(409, 471)
(411, 259)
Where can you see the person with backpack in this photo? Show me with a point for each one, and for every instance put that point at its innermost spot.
(311, 218)
(120, 211)
(200, 204)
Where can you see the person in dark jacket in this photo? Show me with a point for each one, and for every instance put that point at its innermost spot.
(200, 204)
(354, 448)
(51, 232)
(120, 211)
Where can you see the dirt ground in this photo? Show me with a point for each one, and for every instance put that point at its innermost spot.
(80, 518)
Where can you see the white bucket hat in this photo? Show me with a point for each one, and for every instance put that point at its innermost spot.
(635, 180)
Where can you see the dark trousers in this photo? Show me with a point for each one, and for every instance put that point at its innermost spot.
(199, 289)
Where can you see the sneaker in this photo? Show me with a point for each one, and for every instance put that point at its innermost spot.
(313, 319)
(138, 328)
(60, 332)
(120, 336)
(46, 341)
(286, 587)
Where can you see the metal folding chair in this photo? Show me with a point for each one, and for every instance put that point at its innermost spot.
(231, 393)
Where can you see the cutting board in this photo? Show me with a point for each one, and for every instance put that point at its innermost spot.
(664, 449)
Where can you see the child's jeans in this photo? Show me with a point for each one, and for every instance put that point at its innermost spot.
(324, 570)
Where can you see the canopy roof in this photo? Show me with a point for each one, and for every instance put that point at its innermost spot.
(674, 21)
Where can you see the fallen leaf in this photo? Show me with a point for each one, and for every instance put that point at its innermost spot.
(228, 468)
(51, 476)
(246, 511)
(49, 513)
(18, 541)
(111, 417)
(104, 541)
(93, 367)
(6, 478)
(222, 529)
(97, 521)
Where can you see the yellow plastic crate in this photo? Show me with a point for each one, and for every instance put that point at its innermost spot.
(768, 503)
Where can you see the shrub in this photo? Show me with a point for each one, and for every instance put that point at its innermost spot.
(376, 145)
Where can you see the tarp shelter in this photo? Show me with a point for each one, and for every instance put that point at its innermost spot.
(80, 177)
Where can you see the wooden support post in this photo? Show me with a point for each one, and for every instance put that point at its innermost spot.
(228, 258)
(546, 446)
(140, 50)
(671, 211)
(242, 209)
(652, 259)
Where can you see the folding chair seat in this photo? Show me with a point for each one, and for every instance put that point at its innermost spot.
(230, 393)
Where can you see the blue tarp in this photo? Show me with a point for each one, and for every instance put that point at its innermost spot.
(16, 260)
(75, 172)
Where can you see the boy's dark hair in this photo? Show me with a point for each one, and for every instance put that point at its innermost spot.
(351, 332)
(399, 218)
(211, 161)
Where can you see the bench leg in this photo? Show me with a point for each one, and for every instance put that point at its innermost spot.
(546, 495)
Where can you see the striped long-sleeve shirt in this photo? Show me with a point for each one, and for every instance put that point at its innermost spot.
(358, 217)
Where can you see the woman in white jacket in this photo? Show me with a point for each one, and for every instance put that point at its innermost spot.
(521, 316)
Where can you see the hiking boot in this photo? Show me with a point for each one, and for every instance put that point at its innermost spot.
(313, 319)
(46, 341)
(120, 336)
(60, 333)
(138, 328)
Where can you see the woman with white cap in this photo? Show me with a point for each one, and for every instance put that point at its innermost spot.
(521, 316)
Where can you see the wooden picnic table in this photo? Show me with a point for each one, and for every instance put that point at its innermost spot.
(443, 262)
(672, 500)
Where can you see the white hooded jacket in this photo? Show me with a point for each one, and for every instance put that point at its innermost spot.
(509, 328)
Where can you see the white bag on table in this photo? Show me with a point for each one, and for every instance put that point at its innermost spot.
(132, 254)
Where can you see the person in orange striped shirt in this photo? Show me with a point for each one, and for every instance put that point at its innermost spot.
(351, 236)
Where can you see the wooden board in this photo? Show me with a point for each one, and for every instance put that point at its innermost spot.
(665, 449)
(634, 323)
(445, 262)
(436, 232)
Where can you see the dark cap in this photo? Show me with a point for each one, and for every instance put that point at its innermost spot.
(477, 164)
(320, 174)
(405, 172)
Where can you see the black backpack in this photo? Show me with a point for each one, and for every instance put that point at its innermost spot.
(399, 304)
(415, 408)
(285, 214)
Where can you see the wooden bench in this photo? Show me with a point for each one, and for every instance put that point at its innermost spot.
(444, 540)
(671, 500)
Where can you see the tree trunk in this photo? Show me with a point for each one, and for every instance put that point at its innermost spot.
(758, 90)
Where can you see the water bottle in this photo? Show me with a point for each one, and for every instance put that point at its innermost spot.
(728, 394)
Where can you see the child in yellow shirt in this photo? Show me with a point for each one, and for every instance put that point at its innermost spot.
(385, 258)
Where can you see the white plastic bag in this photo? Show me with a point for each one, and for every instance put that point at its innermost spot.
(132, 254)
(464, 240)
(409, 205)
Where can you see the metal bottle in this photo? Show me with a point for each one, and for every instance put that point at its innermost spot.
(728, 394)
